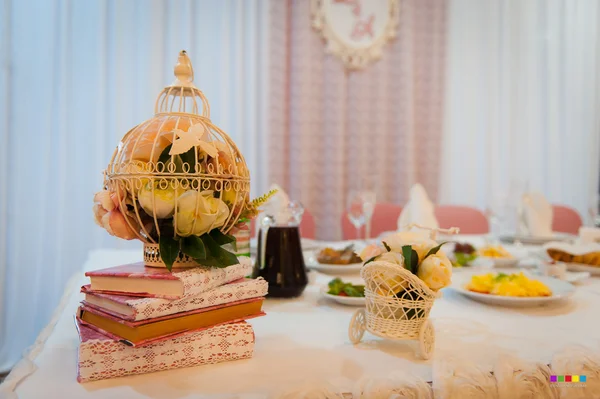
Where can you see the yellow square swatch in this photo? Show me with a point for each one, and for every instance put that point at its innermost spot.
(574, 378)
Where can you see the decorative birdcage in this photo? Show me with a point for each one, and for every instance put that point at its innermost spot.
(177, 174)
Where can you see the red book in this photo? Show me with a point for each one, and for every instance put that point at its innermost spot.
(136, 279)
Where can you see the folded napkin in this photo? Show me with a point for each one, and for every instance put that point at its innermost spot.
(419, 210)
(277, 205)
(536, 215)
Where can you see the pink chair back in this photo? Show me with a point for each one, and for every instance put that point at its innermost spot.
(385, 218)
(565, 219)
(307, 226)
(469, 220)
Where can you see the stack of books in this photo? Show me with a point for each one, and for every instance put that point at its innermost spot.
(136, 319)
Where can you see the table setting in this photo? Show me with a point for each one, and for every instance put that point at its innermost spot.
(209, 308)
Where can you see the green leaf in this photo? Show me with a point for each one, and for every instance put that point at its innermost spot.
(221, 238)
(370, 260)
(164, 155)
(169, 249)
(189, 157)
(222, 256)
(407, 254)
(434, 250)
(414, 262)
(210, 261)
(411, 259)
(194, 247)
(387, 246)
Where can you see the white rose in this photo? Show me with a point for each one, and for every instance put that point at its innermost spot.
(158, 202)
(418, 240)
(435, 271)
(198, 213)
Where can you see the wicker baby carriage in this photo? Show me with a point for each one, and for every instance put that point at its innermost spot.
(397, 306)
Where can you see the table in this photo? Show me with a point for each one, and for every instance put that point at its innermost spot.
(303, 342)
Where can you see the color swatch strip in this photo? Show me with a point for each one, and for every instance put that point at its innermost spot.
(568, 378)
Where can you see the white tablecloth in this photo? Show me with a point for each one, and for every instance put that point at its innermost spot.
(304, 342)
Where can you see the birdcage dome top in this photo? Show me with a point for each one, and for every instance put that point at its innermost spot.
(178, 151)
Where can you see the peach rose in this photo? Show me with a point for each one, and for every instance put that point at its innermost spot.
(108, 215)
(370, 251)
(120, 225)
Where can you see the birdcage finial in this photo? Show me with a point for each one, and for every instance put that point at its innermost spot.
(182, 96)
(184, 72)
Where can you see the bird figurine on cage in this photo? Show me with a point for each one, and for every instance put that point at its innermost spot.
(402, 278)
(177, 182)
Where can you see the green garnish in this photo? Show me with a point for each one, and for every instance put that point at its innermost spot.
(463, 259)
(338, 287)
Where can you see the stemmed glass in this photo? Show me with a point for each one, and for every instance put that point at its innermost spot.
(359, 208)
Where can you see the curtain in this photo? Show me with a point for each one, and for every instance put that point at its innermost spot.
(331, 130)
(523, 102)
(75, 77)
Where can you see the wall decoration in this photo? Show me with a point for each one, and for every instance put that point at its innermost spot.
(356, 31)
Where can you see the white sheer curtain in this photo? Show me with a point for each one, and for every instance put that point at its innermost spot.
(75, 77)
(523, 101)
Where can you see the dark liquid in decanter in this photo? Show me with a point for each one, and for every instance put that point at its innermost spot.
(284, 267)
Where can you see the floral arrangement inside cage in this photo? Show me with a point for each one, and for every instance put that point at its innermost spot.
(402, 278)
(178, 183)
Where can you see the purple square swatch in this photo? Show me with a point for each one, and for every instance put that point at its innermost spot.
(552, 378)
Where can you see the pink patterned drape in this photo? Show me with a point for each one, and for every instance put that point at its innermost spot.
(331, 129)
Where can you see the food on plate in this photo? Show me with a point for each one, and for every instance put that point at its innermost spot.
(495, 251)
(591, 259)
(346, 256)
(516, 285)
(464, 254)
(340, 288)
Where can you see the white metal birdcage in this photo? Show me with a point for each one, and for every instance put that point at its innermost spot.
(149, 177)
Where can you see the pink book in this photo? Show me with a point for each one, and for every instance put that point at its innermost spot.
(136, 309)
(136, 279)
(100, 357)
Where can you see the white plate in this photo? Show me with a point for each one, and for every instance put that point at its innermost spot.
(344, 300)
(560, 291)
(580, 267)
(311, 262)
(574, 277)
(501, 262)
(532, 240)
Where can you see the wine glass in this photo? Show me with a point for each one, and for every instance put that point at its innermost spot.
(360, 208)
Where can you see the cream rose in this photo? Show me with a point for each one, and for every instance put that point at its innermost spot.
(198, 213)
(419, 241)
(158, 202)
(391, 257)
(435, 271)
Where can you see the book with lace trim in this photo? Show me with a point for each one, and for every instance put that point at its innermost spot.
(135, 279)
(139, 333)
(136, 309)
(100, 357)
